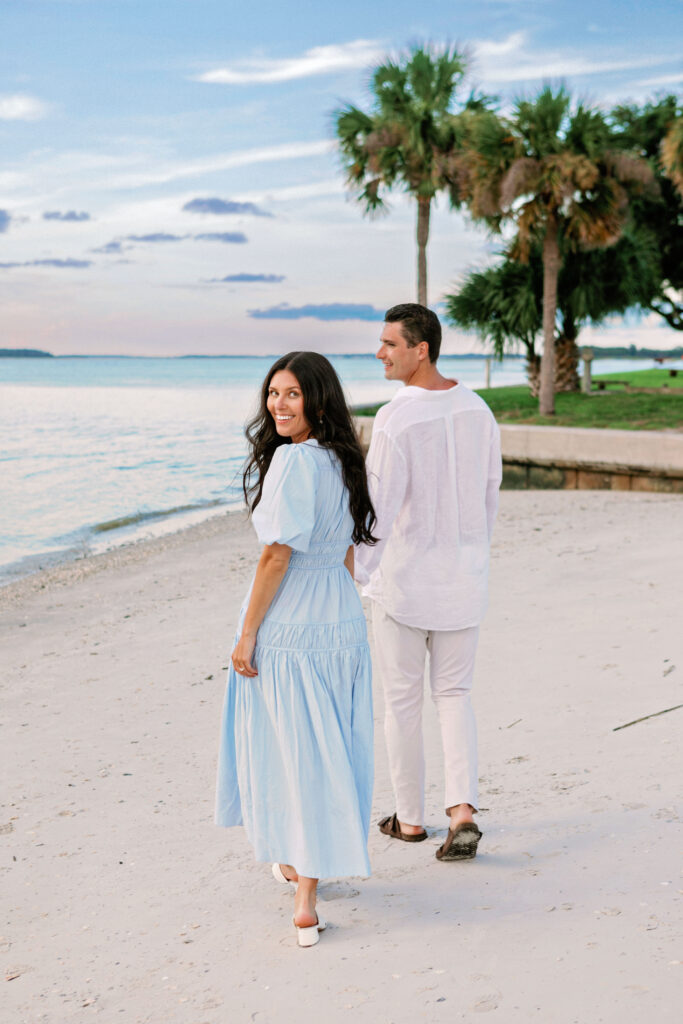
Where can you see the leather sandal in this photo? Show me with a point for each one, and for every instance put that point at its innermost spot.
(460, 843)
(390, 827)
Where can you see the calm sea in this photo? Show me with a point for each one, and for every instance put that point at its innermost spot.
(100, 451)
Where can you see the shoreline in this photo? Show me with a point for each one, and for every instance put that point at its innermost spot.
(135, 529)
(67, 571)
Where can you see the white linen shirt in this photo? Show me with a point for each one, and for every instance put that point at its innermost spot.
(434, 471)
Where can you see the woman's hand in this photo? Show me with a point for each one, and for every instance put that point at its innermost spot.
(243, 654)
(270, 573)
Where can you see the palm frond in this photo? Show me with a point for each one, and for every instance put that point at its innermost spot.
(501, 303)
(628, 167)
(540, 121)
(588, 132)
(522, 178)
(597, 219)
(672, 154)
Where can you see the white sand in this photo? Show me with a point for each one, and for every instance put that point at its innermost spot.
(122, 902)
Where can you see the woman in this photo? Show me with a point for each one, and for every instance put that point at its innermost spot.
(295, 762)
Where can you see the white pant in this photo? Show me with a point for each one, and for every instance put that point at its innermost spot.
(400, 653)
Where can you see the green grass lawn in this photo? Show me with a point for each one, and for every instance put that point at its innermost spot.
(644, 378)
(611, 408)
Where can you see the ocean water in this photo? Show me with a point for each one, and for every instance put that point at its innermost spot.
(96, 452)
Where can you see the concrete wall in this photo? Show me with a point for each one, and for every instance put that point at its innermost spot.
(647, 451)
(573, 457)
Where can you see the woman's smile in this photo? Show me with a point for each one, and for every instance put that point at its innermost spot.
(286, 405)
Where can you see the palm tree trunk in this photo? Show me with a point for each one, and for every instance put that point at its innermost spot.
(423, 209)
(551, 270)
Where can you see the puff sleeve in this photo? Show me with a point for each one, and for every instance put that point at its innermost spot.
(286, 511)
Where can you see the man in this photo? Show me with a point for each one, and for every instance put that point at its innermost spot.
(434, 468)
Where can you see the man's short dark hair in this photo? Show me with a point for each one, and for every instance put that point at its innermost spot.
(418, 324)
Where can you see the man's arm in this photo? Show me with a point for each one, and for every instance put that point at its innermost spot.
(495, 475)
(387, 480)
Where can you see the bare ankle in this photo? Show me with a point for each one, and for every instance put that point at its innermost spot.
(289, 872)
(460, 813)
(410, 830)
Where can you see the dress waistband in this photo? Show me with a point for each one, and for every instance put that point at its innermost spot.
(323, 555)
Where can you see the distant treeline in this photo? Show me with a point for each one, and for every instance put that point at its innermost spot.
(599, 352)
(632, 352)
(28, 353)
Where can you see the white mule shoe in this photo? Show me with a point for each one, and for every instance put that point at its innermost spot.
(279, 876)
(311, 935)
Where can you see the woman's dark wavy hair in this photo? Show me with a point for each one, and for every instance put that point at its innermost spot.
(326, 410)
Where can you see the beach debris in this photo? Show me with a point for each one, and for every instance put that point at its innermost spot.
(645, 717)
(6, 829)
(516, 722)
(15, 972)
(667, 671)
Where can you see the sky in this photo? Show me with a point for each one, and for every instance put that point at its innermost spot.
(169, 182)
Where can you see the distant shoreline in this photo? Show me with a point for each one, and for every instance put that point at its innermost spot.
(598, 353)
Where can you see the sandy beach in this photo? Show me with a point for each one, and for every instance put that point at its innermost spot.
(122, 902)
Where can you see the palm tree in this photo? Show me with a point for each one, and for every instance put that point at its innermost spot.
(397, 142)
(551, 173)
(672, 154)
(504, 303)
(657, 212)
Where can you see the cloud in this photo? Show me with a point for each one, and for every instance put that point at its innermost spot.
(672, 79)
(222, 162)
(155, 237)
(115, 246)
(21, 108)
(329, 311)
(312, 190)
(512, 60)
(223, 206)
(320, 60)
(5, 218)
(247, 279)
(162, 238)
(70, 215)
(228, 237)
(67, 264)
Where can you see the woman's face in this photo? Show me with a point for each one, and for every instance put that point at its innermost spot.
(286, 405)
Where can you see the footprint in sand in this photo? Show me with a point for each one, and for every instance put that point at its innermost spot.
(487, 1003)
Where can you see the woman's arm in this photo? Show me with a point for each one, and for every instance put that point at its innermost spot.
(348, 561)
(270, 572)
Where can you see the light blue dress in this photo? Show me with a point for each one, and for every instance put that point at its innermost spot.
(296, 757)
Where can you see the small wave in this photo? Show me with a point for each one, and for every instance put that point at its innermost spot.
(142, 517)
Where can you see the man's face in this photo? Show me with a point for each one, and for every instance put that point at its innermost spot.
(400, 361)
